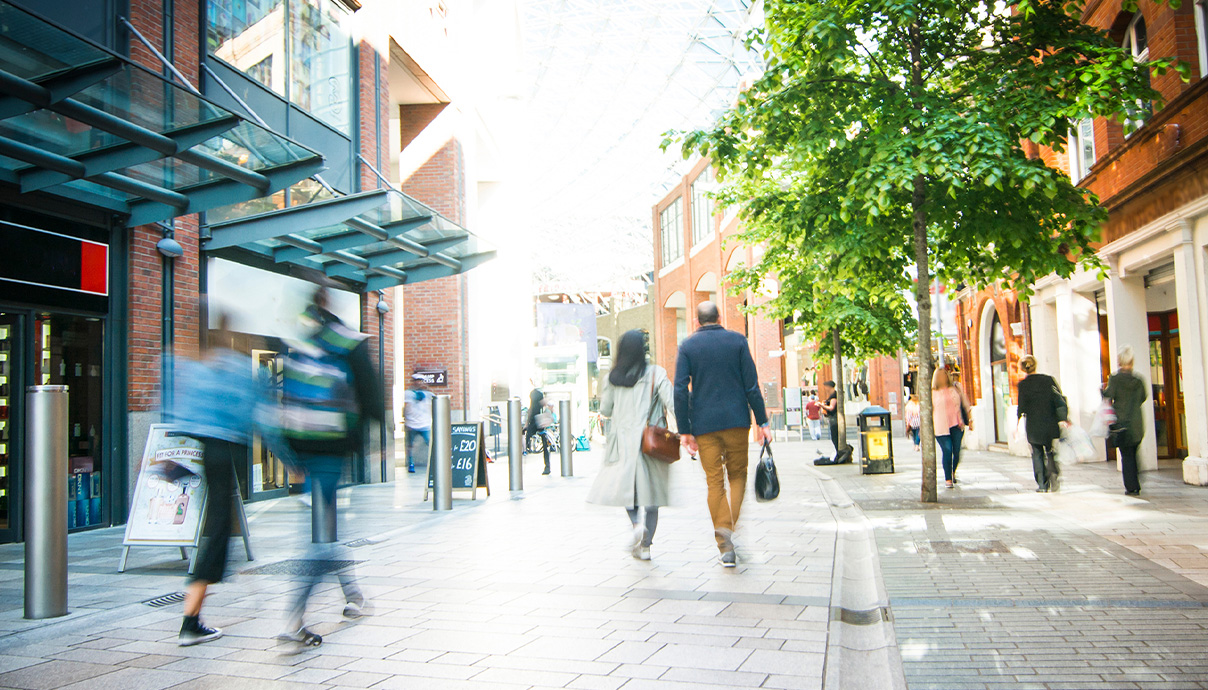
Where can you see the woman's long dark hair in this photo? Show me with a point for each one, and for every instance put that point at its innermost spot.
(630, 363)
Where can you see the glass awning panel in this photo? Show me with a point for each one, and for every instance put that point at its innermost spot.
(369, 241)
(80, 122)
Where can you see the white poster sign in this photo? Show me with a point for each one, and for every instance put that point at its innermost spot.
(167, 512)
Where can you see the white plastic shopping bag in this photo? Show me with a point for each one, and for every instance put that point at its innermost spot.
(1105, 416)
(1079, 443)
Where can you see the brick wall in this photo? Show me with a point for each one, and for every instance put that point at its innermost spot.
(435, 326)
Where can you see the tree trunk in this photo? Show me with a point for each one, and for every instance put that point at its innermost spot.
(922, 290)
(841, 416)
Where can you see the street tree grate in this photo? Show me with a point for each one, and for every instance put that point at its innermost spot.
(165, 600)
(301, 567)
(910, 504)
(961, 546)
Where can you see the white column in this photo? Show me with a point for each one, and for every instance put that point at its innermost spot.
(1191, 342)
(1045, 341)
(1128, 324)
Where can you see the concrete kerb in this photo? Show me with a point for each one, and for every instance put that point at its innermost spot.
(861, 646)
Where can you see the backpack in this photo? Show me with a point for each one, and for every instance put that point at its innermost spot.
(319, 401)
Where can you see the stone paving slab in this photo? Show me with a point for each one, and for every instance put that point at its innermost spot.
(999, 587)
(535, 590)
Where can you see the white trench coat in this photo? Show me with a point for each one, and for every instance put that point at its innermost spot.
(629, 478)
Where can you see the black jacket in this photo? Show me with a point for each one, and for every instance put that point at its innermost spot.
(1041, 401)
(1126, 391)
(718, 366)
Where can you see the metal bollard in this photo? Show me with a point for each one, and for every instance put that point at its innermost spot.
(515, 446)
(442, 454)
(46, 502)
(566, 438)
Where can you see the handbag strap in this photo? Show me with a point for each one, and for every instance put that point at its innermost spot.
(653, 400)
(766, 450)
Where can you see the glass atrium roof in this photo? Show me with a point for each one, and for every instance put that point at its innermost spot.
(371, 241)
(82, 123)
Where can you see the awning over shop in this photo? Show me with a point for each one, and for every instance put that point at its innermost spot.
(370, 241)
(82, 123)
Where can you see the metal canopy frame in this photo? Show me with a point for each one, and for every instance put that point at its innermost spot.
(371, 240)
(80, 122)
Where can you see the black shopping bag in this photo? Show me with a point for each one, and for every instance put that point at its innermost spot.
(767, 483)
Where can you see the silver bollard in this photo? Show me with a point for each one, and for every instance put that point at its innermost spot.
(515, 446)
(566, 438)
(442, 454)
(46, 502)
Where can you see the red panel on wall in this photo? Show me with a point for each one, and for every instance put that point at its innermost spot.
(94, 268)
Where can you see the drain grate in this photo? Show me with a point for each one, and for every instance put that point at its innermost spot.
(962, 546)
(356, 543)
(301, 567)
(853, 617)
(165, 600)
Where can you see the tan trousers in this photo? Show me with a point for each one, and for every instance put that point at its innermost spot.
(723, 455)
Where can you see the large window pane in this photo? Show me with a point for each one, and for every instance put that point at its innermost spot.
(250, 36)
(320, 61)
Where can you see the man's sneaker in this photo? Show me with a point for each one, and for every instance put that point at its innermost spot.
(728, 560)
(193, 631)
(644, 553)
(300, 639)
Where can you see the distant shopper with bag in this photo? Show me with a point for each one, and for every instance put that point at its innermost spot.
(636, 395)
(949, 412)
(813, 415)
(417, 418)
(716, 392)
(539, 419)
(1126, 391)
(1045, 410)
(913, 416)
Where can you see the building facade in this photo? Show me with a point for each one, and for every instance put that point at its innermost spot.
(1149, 174)
(695, 249)
(171, 160)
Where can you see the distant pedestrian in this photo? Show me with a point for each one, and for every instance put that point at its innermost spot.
(716, 391)
(417, 418)
(813, 415)
(635, 395)
(1126, 391)
(330, 389)
(949, 410)
(1045, 412)
(535, 426)
(913, 416)
(830, 410)
(215, 403)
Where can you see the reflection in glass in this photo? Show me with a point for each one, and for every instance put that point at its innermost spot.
(250, 36)
(320, 61)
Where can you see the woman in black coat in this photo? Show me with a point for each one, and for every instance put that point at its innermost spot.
(536, 407)
(1041, 402)
(1126, 391)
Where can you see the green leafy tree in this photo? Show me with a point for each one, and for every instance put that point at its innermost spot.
(905, 119)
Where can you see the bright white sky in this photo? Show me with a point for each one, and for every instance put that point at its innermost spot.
(602, 80)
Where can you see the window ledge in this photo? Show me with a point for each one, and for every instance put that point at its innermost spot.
(671, 267)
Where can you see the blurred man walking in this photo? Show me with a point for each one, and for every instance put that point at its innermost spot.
(716, 391)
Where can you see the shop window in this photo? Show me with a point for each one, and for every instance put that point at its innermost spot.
(671, 230)
(702, 208)
(1136, 42)
(310, 64)
(1082, 149)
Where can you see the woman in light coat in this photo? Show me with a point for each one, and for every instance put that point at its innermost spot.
(949, 409)
(635, 395)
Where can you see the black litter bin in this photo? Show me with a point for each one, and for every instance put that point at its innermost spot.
(876, 440)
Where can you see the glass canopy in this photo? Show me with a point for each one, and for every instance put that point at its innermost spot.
(370, 241)
(79, 122)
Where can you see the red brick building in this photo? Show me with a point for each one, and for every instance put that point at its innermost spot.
(1150, 175)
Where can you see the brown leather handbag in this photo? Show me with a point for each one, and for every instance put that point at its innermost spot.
(659, 442)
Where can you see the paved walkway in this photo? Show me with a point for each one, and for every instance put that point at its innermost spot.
(1000, 587)
(530, 591)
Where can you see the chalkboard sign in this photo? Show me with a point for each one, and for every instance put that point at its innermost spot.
(469, 460)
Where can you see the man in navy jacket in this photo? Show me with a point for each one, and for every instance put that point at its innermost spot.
(716, 390)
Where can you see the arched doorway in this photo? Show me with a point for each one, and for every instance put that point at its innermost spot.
(1000, 377)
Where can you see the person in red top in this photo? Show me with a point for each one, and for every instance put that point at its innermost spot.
(813, 414)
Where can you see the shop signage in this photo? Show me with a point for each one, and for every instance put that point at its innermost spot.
(48, 259)
(792, 408)
(469, 461)
(168, 508)
(433, 377)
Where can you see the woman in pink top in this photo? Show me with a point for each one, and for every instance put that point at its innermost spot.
(947, 404)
